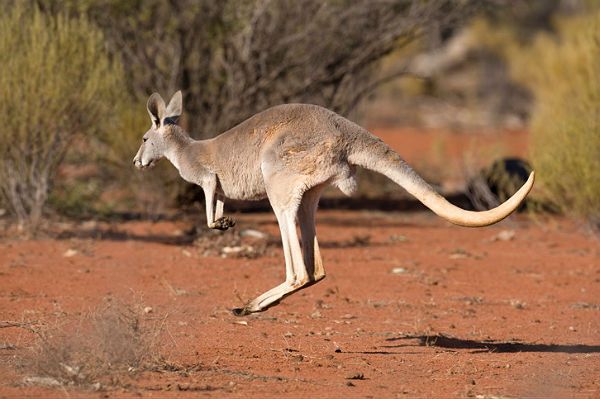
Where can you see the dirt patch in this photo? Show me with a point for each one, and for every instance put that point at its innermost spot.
(411, 306)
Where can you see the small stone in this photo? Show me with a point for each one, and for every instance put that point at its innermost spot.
(398, 270)
(253, 233)
(316, 315)
(232, 250)
(459, 253)
(517, 304)
(356, 376)
(42, 381)
(148, 309)
(398, 238)
(70, 252)
(183, 387)
(504, 235)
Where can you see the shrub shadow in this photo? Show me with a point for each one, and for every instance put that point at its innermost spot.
(490, 346)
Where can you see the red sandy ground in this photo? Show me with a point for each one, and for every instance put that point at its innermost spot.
(537, 292)
(465, 314)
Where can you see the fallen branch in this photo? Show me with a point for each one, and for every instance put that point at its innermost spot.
(24, 325)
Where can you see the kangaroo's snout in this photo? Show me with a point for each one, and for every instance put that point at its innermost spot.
(138, 164)
(137, 160)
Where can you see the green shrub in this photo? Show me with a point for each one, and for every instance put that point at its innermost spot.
(56, 81)
(564, 76)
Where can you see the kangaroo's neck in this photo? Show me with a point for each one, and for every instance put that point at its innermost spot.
(192, 158)
(177, 143)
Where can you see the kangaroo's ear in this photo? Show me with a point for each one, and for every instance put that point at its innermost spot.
(175, 108)
(156, 109)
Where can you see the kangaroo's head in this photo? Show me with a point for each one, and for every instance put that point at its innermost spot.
(155, 141)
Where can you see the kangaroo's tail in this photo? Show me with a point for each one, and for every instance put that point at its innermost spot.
(372, 153)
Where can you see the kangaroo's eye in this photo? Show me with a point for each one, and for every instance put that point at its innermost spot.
(145, 139)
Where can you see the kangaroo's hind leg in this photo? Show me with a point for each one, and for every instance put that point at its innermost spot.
(310, 245)
(285, 194)
(296, 276)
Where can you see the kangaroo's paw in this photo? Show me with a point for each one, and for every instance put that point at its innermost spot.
(223, 223)
(253, 308)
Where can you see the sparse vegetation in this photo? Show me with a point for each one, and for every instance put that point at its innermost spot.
(56, 81)
(563, 74)
(560, 67)
(101, 348)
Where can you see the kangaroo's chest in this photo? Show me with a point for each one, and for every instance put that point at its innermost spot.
(242, 184)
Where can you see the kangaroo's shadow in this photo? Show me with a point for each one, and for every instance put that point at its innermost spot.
(448, 342)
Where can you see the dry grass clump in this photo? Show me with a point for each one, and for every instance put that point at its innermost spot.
(563, 75)
(234, 243)
(101, 349)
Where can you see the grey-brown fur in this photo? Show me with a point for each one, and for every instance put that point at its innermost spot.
(289, 154)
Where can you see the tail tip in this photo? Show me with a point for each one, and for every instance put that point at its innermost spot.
(531, 177)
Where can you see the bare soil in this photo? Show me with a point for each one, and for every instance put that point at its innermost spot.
(411, 307)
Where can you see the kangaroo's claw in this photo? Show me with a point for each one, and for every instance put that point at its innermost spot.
(223, 223)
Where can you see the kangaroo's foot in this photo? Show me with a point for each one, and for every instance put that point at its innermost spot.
(273, 297)
(222, 223)
(249, 309)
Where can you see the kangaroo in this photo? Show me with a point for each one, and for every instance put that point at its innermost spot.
(289, 154)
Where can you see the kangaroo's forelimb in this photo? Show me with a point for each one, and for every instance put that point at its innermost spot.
(214, 208)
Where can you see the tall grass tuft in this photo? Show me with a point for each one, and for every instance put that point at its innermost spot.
(56, 81)
(564, 75)
(562, 69)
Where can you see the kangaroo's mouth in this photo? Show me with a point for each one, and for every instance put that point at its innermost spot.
(149, 165)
